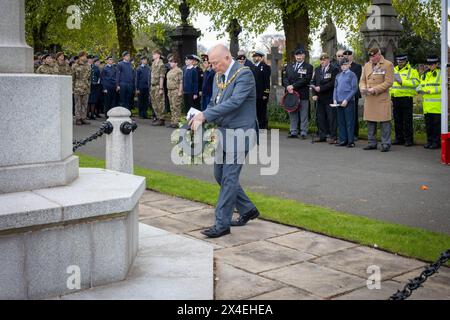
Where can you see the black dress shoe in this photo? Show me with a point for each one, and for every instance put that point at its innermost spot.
(244, 219)
(343, 144)
(293, 136)
(434, 146)
(409, 144)
(351, 145)
(214, 233)
(427, 146)
(385, 148)
(371, 148)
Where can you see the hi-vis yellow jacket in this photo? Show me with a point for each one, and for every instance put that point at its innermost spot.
(431, 85)
(410, 81)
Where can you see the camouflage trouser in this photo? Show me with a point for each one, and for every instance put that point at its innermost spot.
(175, 106)
(158, 102)
(81, 104)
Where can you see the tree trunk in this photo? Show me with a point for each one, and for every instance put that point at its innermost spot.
(122, 12)
(296, 29)
(39, 34)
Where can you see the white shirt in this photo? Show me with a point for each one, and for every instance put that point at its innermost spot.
(227, 73)
(257, 64)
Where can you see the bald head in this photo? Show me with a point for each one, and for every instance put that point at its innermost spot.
(220, 58)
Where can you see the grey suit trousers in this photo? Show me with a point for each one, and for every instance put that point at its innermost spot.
(231, 193)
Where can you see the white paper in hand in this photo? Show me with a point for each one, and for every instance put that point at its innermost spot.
(192, 113)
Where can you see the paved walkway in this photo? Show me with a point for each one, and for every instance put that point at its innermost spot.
(373, 184)
(265, 260)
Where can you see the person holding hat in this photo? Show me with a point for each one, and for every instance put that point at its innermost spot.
(81, 79)
(125, 81)
(297, 77)
(143, 87)
(322, 86)
(62, 65)
(158, 75)
(48, 65)
(190, 83)
(108, 78)
(430, 87)
(406, 80)
(357, 70)
(262, 77)
(345, 89)
(376, 79)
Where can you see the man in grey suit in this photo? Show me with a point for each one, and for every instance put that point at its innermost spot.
(233, 109)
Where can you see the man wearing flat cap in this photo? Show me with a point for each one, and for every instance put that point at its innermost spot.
(357, 70)
(125, 81)
(430, 87)
(376, 79)
(406, 80)
(297, 77)
(262, 77)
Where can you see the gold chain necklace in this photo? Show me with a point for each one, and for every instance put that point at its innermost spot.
(223, 85)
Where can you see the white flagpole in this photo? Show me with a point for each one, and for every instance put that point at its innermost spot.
(444, 62)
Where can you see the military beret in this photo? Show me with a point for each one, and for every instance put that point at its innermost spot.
(401, 57)
(258, 53)
(299, 51)
(144, 57)
(344, 61)
(96, 59)
(59, 54)
(109, 57)
(90, 56)
(45, 56)
(324, 56)
(192, 57)
(125, 53)
(348, 52)
(373, 51)
(205, 57)
(432, 59)
(196, 58)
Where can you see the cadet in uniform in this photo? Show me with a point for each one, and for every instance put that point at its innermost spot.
(377, 77)
(81, 74)
(143, 87)
(430, 87)
(190, 84)
(48, 65)
(262, 77)
(95, 87)
(108, 80)
(406, 80)
(175, 91)
(125, 81)
(157, 83)
(62, 65)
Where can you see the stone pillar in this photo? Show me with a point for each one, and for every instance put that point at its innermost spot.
(184, 37)
(382, 28)
(119, 146)
(16, 55)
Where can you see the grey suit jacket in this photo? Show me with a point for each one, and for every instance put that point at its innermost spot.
(236, 109)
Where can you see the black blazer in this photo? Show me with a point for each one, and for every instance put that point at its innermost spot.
(326, 83)
(300, 79)
(357, 69)
(262, 77)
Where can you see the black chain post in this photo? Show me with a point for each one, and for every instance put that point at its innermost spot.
(126, 128)
(106, 127)
(417, 282)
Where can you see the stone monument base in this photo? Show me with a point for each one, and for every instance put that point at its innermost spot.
(85, 233)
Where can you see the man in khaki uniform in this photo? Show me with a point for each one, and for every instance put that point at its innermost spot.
(377, 77)
(175, 90)
(81, 74)
(62, 66)
(157, 91)
(48, 65)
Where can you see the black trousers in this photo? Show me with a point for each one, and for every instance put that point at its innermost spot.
(327, 120)
(403, 119)
(261, 112)
(143, 102)
(433, 126)
(110, 99)
(188, 102)
(356, 117)
(198, 103)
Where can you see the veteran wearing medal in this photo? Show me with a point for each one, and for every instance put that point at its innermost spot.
(376, 80)
(233, 109)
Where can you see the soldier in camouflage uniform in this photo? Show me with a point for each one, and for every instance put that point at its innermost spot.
(48, 66)
(157, 91)
(81, 74)
(175, 90)
(62, 65)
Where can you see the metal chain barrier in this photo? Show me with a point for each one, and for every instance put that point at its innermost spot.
(417, 282)
(106, 127)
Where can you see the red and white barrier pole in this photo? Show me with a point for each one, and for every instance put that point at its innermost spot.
(445, 137)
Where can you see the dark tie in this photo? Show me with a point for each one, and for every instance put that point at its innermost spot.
(222, 79)
(297, 65)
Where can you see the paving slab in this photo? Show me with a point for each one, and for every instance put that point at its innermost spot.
(151, 196)
(318, 280)
(204, 217)
(236, 284)
(176, 205)
(387, 289)
(287, 293)
(312, 243)
(357, 260)
(257, 257)
(171, 225)
(146, 212)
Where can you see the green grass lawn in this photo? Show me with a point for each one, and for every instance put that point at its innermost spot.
(403, 240)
